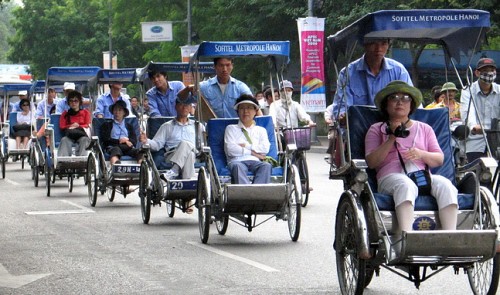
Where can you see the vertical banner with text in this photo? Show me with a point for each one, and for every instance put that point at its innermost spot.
(311, 39)
(186, 52)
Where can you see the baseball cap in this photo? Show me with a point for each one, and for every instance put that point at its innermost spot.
(22, 92)
(286, 84)
(69, 86)
(485, 62)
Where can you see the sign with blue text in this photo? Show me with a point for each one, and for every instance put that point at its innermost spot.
(156, 31)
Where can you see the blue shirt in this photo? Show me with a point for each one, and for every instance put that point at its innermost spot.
(104, 101)
(164, 104)
(363, 85)
(223, 104)
(40, 109)
(119, 130)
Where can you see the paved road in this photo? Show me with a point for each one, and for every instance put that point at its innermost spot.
(61, 245)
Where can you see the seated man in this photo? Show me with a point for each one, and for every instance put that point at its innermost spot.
(178, 136)
(287, 112)
(119, 137)
(107, 99)
(246, 144)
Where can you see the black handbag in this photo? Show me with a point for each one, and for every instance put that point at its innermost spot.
(422, 178)
(75, 133)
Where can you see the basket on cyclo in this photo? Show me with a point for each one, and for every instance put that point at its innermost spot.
(300, 136)
(366, 236)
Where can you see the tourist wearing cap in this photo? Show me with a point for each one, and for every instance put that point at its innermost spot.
(246, 144)
(287, 112)
(24, 125)
(416, 142)
(75, 124)
(22, 94)
(119, 137)
(162, 96)
(486, 95)
(449, 91)
(222, 90)
(363, 78)
(178, 137)
(104, 101)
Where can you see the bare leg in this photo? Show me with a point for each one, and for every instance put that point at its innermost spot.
(25, 142)
(448, 217)
(18, 142)
(404, 212)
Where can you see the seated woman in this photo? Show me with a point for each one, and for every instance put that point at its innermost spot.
(74, 123)
(246, 144)
(23, 127)
(400, 144)
(119, 137)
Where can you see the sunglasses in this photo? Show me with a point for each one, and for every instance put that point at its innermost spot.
(401, 98)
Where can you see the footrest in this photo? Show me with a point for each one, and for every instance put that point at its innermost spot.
(253, 198)
(443, 247)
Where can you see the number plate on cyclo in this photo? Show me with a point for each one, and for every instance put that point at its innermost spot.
(126, 169)
(183, 184)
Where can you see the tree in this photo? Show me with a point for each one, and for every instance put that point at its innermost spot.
(6, 29)
(59, 33)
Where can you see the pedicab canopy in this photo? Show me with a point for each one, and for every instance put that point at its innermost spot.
(123, 76)
(457, 30)
(278, 50)
(173, 67)
(78, 75)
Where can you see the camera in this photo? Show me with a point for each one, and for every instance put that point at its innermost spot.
(400, 131)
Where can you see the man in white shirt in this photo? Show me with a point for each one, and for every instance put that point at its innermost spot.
(286, 112)
(486, 95)
(178, 137)
(247, 144)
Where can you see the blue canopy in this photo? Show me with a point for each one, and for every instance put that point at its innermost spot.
(78, 75)
(173, 67)
(458, 30)
(13, 89)
(279, 50)
(105, 76)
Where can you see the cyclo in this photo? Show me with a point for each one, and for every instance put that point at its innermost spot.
(67, 166)
(176, 193)
(217, 199)
(101, 175)
(38, 146)
(8, 143)
(365, 226)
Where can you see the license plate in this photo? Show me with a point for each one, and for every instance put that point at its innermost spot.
(126, 169)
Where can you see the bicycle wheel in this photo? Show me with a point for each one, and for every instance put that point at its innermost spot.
(484, 276)
(203, 197)
(145, 192)
(301, 164)
(293, 204)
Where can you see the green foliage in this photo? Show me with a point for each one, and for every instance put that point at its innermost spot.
(75, 32)
(6, 29)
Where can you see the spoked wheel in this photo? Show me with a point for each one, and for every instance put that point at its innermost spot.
(36, 174)
(484, 276)
(47, 178)
(222, 224)
(3, 160)
(110, 192)
(170, 208)
(301, 164)
(71, 177)
(351, 269)
(203, 198)
(145, 192)
(293, 205)
(92, 180)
